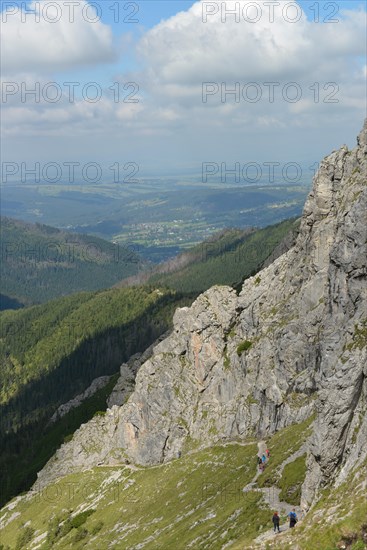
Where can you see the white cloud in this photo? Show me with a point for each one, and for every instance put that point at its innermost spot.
(31, 42)
(184, 51)
(178, 55)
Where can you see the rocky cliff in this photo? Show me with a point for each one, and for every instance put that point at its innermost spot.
(65, 408)
(292, 344)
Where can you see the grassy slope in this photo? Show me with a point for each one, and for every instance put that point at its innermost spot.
(292, 479)
(283, 444)
(193, 502)
(339, 519)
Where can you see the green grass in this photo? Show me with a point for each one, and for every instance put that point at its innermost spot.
(197, 498)
(338, 519)
(226, 360)
(81, 518)
(24, 537)
(243, 346)
(281, 446)
(290, 483)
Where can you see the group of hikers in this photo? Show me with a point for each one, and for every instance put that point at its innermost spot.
(292, 516)
(292, 520)
(263, 460)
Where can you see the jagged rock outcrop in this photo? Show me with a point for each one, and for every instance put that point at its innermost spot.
(291, 344)
(63, 409)
(126, 381)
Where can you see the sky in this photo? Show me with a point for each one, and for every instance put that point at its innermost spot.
(170, 85)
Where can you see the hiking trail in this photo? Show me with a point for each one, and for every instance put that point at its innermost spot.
(271, 497)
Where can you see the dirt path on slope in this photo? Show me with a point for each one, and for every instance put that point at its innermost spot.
(271, 497)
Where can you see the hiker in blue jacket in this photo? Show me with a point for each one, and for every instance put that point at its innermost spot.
(292, 518)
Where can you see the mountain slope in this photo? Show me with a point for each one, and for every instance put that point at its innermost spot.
(52, 352)
(195, 502)
(40, 263)
(9, 303)
(292, 342)
(287, 353)
(207, 500)
(228, 260)
(228, 257)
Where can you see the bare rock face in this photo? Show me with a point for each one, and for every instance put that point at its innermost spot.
(126, 381)
(291, 344)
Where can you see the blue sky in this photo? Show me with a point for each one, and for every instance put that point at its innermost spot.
(170, 60)
(151, 12)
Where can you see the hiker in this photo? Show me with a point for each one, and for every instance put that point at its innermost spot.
(267, 452)
(259, 461)
(263, 458)
(292, 518)
(276, 522)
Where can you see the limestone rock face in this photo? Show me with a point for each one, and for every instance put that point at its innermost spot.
(291, 344)
(126, 381)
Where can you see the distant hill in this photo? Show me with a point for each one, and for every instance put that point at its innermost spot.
(227, 258)
(40, 263)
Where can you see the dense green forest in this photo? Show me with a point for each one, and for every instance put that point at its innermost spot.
(228, 259)
(39, 263)
(51, 352)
